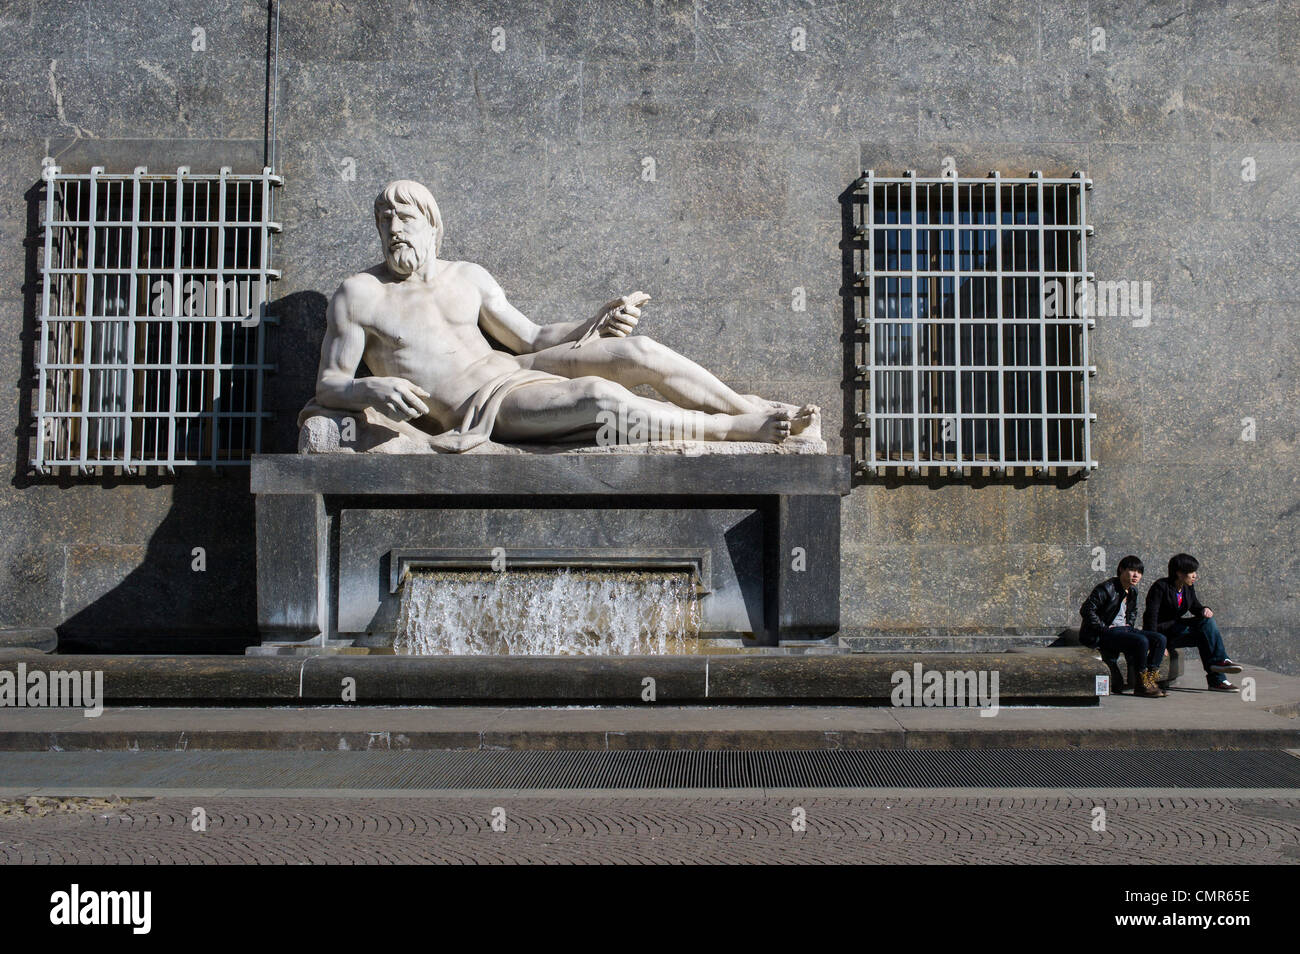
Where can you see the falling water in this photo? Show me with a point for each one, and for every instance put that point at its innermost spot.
(547, 613)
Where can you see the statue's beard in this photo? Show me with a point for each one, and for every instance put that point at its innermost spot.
(403, 260)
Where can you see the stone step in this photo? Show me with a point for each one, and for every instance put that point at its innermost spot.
(943, 642)
(1065, 676)
(40, 640)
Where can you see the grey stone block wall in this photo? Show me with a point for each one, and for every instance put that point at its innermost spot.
(536, 155)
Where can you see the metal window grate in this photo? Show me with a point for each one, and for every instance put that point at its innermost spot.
(152, 338)
(964, 359)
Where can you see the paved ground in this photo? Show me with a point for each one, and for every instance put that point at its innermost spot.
(1155, 829)
(1190, 717)
(1235, 826)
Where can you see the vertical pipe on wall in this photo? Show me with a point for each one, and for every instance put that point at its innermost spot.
(272, 85)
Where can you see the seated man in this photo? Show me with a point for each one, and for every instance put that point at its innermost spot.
(1108, 614)
(422, 325)
(1168, 601)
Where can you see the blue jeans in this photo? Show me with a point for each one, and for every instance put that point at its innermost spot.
(1137, 645)
(1204, 635)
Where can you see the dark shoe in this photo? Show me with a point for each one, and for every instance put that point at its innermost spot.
(1224, 686)
(1155, 683)
(1147, 686)
(1225, 665)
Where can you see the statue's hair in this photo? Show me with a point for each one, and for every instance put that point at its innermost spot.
(410, 192)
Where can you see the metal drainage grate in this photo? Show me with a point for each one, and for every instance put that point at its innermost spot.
(686, 769)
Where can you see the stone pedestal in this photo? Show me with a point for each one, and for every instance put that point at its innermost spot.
(759, 532)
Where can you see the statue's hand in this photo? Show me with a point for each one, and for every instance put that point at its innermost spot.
(618, 318)
(396, 397)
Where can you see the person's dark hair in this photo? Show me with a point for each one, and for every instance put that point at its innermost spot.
(1182, 563)
(1131, 563)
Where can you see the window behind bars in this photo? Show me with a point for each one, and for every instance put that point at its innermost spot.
(151, 348)
(971, 349)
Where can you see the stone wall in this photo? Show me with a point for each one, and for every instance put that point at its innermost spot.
(537, 154)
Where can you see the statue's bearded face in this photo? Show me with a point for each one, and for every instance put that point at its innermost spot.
(408, 238)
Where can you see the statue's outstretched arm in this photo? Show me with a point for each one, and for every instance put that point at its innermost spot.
(508, 325)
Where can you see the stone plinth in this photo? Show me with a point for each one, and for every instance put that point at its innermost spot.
(331, 528)
(1041, 676)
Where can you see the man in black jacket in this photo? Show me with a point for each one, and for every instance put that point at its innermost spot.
(1108, 614)
(1167, 602)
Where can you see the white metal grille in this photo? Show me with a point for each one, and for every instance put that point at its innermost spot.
(152, 338)
(963, 359)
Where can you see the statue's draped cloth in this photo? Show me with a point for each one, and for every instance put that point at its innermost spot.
(474, 429)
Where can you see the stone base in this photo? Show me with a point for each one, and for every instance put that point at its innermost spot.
(41, 640)
(1036, 676)
(316, 647)
(334, 532)
(947, 639)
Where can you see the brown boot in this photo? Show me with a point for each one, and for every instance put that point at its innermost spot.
(1147, 686)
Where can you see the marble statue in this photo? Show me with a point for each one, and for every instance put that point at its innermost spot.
(422, 326)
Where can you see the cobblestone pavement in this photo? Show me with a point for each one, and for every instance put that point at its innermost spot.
(1165, 830)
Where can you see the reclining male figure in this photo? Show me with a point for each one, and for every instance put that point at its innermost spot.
(421, 325)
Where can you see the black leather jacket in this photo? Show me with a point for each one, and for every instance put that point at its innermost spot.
(1100, 608)
(1162, 611)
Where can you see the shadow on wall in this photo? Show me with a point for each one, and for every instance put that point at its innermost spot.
(192, 587)
(299, 331)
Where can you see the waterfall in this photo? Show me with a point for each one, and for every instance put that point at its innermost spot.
(563, 612)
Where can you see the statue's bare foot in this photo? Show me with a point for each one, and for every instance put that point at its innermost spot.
(804, 418)
(770, 427)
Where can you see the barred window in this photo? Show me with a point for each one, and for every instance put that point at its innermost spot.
(971, 352)
(151, 344)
